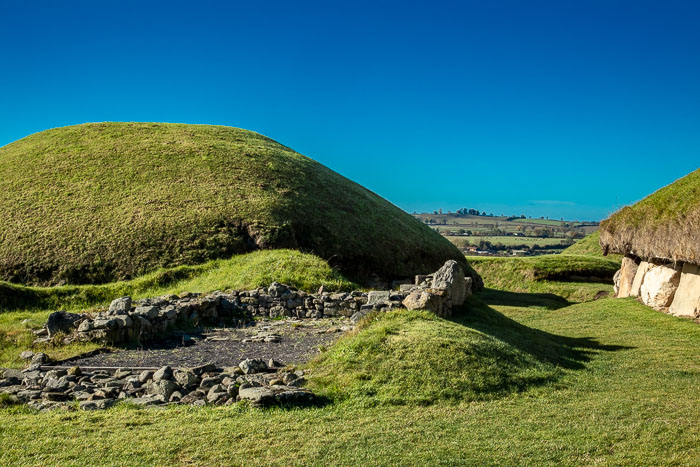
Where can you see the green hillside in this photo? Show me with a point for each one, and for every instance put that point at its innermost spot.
(590, 246)
(100, 202)
(665, 224)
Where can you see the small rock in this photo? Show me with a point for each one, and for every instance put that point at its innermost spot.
(75, 371)
(97, 404)
(253, 365)
(26, 355)
(146, 375)
(165, 373)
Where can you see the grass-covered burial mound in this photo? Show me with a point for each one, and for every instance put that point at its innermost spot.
(100, 202)
(665, 224)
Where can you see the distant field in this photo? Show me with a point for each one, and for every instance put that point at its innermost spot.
(529, 241)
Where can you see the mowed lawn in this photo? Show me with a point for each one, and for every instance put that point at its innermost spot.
(622, 388)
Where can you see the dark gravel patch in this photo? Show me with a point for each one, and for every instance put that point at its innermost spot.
(288, 342)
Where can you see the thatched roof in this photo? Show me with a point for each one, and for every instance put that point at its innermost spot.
(665, 224)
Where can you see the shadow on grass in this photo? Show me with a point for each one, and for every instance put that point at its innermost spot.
(549, 301)
(561, 351)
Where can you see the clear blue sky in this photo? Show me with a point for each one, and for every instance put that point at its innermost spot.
(556, 108)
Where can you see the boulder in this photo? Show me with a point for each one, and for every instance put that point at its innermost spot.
(120, 306)
(625, 279)
(63, 322)
(450, 277)
(146, 312)
(642, 269)
(253, 365)
(165, 373)
(686, 301)
(425, 300)
(163, 388)
(659, 286)
(378, 297)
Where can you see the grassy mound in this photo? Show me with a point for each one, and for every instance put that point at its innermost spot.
(589, 246)
(665, 224)
(574, 277)
(101, 202)
(247, 271)
(403, 357)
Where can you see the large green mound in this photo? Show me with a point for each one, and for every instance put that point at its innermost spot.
(100, 202)
(665, 224)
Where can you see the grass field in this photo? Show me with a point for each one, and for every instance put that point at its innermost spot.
(509, 381)
(75, 199)
(505, 240)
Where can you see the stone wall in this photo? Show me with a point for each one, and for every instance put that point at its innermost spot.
(670, 287)
(142, 320)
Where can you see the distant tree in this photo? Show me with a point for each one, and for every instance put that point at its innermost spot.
(440, 211)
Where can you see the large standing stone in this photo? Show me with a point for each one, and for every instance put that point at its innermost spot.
(686, 302)
(628, 271)
(659, 286)
(642, 270)
(450, 277)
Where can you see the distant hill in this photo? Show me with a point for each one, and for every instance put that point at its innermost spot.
(100, 202)
(665, 224)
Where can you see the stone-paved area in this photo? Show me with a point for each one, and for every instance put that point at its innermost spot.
(286, 341)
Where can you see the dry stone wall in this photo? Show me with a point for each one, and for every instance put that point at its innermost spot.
(142, 320)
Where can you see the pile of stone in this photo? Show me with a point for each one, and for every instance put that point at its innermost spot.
(260, 383)
(665, 286)
(142, 320)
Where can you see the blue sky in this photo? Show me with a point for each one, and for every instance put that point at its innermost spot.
(548, 108)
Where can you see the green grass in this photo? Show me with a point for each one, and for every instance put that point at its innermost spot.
(101, 202)
(403, 357)
(246, 271)
(667, 204)
(573, 277)
(618, 387)
(590, 246)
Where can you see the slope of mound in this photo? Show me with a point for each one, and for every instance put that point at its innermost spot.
(589, 246)
(100, 202)
(665, 224)
(577, 278)
(241, 272)
(414, 357)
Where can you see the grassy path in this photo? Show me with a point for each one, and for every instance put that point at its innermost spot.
(626, 393)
